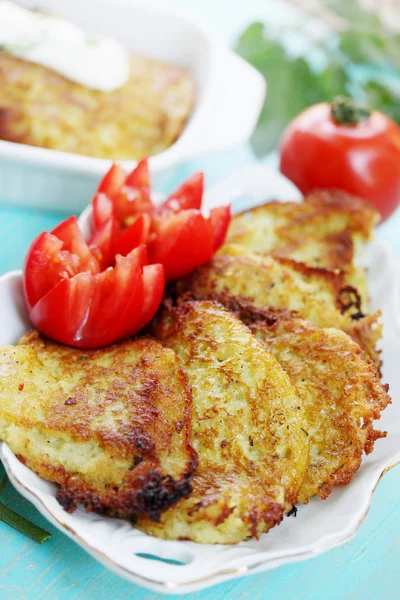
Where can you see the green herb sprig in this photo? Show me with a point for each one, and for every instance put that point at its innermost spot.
(360, 58)
(35, 533)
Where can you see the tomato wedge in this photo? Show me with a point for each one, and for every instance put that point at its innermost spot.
(154, 284)
(102, 210)
(121, 195)
(71, 300)
(188, 195)
(90, 311)
(133, 236)
(44, 250)
(140, 176)
(178, 235)
(131, 202)
(112, 181)
(181, 242)
(102, 242)
(54, 256)
(219, 220)
(73, 241)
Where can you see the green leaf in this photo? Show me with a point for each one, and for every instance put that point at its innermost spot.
(333, 81)
(3, 483)
(16, 521)
(383, 98)
(371, 49)
(292, 84)
(23, 525)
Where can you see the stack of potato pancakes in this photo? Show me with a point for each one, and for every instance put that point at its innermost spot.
(254, 388)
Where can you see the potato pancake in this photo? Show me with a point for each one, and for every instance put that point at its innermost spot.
(110, 426)
(340, 389)
(328, 229)
(315, 294)
(247, 428)
(42, 108)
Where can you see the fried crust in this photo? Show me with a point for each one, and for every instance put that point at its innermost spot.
(246, 427)
(328, 229)
(110, 426)
(42, 108)
(339, 386)
(320, 231)
(314, 294)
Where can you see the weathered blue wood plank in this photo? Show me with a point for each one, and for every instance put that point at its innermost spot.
(366, 568)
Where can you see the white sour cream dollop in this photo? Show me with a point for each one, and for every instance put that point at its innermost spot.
(95, 61)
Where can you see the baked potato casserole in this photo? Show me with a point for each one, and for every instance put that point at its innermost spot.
(53, 93)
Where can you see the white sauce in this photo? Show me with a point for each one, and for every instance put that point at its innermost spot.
(95, 61)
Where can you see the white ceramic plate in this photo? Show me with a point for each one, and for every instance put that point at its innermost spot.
(229, 97)
(319, 526)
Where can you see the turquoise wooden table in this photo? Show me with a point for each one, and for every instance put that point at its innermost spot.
(366, 568)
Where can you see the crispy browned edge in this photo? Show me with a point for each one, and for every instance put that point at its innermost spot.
(251, 315)
(364, 329)
(177, 307)
(157, 494)
(145, 492)
(334, 278)
(364, 215)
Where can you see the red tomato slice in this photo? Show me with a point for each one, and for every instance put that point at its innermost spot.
(44, 250)
(219, 220)
(188, 195)
(60, 313)
(140, 176)
(102, 242)
(90, 311)
(141, 254)
(112, 181)
(133, 236)
(154, 285)
(117, 304)
(54, 256)
(130, 203)
(134, 197)
(182, 241)
(102, 209)
(73, 241)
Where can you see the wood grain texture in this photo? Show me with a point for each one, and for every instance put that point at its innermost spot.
(367, 568)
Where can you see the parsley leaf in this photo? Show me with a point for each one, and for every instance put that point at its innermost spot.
(361, 60)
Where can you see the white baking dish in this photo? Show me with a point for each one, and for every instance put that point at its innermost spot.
(229, 97)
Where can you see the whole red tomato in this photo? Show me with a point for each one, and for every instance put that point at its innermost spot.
(341, 146)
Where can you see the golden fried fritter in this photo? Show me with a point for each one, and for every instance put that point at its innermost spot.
(42, 108)
(328, 229)
(321, 231)
(111, 426)
(340, 389)
(247, 427)
(315, 294)
(342, 395)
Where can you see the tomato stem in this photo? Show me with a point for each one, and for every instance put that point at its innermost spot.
(346, 112)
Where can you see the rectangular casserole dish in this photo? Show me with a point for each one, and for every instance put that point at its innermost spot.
(229, 97)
